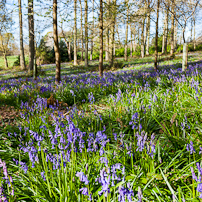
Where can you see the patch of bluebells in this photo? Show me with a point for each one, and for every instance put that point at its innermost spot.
(5, 180)
(142, 143)
(194, 177)
(135, 122)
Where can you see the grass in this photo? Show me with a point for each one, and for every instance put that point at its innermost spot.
(133, 135)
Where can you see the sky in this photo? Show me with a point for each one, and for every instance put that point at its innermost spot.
(44, 25)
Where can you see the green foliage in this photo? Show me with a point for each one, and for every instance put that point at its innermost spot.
(137, 52)
(121, 52)
(47, 54)
(17, 61)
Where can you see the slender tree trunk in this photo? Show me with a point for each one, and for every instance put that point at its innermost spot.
(134, 45)
(172, 29)
(126, 39)
(22, 55)
(191, 38)
(131, 42)
(56, 44)
(69, 52)
(142, 39)
(107, 45)
(35, 65)
(101, 40)
(175, 35)
(134, 39)
(148, 27)
(86, 33)
(5, 60)
(81, 30)
(138, 34)
(92, 35)
(156, 38)
(31, 34)
(194, 34)
(107, 33)
(112, 32)
(163, 39)
(75, 34)
(166, 32)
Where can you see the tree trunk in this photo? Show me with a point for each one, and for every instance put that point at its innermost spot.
(92, 35)
(172, 29)
(175, 35)
(163, 39)
(131, 42)
(126, 39)
(156, 38)
(69, 52)
(75, 34)
(194, 34)
(101, 40)
(86, 33)
(142, 38)
(35, 65)
(31, 34)
(5, 60)
(81, 31)
(22, 56)
(166, 32)
(107, 33)
(191, 38)
(148, 27)
(112, 32)
(185, 57)
(56, 44)
(107, 45)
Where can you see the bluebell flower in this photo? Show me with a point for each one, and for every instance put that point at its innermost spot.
(190, 147)
(199, 189)
(82, 177)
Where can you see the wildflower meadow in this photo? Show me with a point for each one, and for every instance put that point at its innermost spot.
(131, 135)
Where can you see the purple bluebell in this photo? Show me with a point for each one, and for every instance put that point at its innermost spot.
(190, 148)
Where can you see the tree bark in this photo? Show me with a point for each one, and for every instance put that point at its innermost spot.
(107, 32)
(5, 60)
(148, 27)
(131, 42)
(142, 38)
(86, 33)
(166, 31)
(56, 44)
(101, 39)
(81, 31)
(22, 55)
(69, 52)
(112, 32)
(172, 29)
(194, 34)
(31, 34)
(75, 34)
(156, 38)
(175, 35)
(191, 38)
(126, 39)
(92, 35)
(163, 39)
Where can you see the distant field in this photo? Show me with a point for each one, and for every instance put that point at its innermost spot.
(11, 60)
